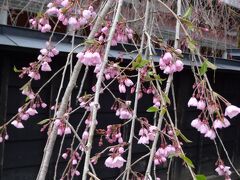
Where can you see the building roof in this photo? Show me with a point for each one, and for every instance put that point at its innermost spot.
(12, 38)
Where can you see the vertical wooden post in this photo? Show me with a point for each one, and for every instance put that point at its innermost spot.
(5, 64)
(238, 37)
(182, 83)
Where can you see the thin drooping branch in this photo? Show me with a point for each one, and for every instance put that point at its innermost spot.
(159, 124)
(130, 141)
(227, 155)
(168, 85)
(64, 103)
(98, 89)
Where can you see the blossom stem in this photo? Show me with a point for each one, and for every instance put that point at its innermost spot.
(129, 157)
(98, 89)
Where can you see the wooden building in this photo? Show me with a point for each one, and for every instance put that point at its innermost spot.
(20, 156)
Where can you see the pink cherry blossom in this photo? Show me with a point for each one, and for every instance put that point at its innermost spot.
(85, 135)
(43, 105)
(24, 116)
(221, 123)
(64, 155)
(201, 105)
(232, 111)
(143, 140)
(210, 134)
(72, 21)
(192, 102)
(74, 162)
(196, 123)
(122, 88)
(86, 14)
(223, 171)
(6, 137)
(34, 75)
(179, 65)
(89, 58)
(121, 150)
(204, 128)
(128, 82)
(65, 3)
(17, 124)
(217, 123)
(45, 67)
(31, 111)
(226, 123)
(116, 162)
(52, 11)
(67, 130)
(167, 58)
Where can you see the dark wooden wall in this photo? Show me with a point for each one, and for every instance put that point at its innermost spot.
(21, 155)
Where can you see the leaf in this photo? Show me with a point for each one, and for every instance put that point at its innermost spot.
(210, 65)
(25, 86)
(200, 177)
(157, 77)
(27, 99)
(139, 62)
(188, 13)
(191, 44)
(188, 23)
(163, 111)
(150, 73)
(205, 65)
(16, 70)
(166, 98)
(90, 41)
(43, 121)
(186, 160)
(203, 68)
(179, 133)
(152, 109)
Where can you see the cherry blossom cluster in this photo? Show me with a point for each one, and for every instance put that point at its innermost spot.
(3, 135)
(123, 109)
(89, 58)
(203, 127)
(41, 23)
(223, 170)
(61, 124)
(147, 132)
(62, 127)
(69, 13)
(111, 70)
(46, 56)
(202, 100)
(86, 101)
(85, 134)
(115, 160)
(170, 64)
(75, 158)
(198, 99)
(122, 33)
(88, 121)
(28, 110)
(123, 82)
(113, 134)
(43, 61)
(162, 154)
